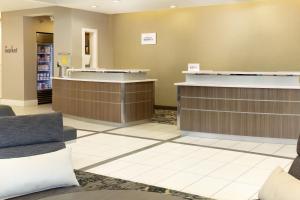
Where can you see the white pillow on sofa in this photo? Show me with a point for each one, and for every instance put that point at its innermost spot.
(280, 186)
(26, 175)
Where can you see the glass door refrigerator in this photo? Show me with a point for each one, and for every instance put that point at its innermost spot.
(45, 63)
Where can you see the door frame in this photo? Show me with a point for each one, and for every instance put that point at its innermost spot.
(93, 46)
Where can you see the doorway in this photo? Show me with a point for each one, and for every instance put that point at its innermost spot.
(39, 58)
(89, 48)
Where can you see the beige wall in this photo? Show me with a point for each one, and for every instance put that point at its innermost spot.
(19, 73)
(260, 36)
(12, 64)
(101, 22)
(16, 27)
(263, 35)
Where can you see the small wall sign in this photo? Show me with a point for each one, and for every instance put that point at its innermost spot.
(194, 67)
(148, 38)
(10, 49)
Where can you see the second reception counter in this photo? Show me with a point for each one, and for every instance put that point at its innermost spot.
(117, 96)
(256, 104)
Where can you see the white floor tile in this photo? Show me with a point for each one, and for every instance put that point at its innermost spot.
(158, 160)
(83, 160)
(249, 160)
(204, 167)
(164, 148)
(287, 168)
(255, 177)
(91, 150)
(86, 125)
(187, 139)
(151, 130)
(225, 156)
(181, 163)
(179, 181)
(288, 151)
(184, 150)
(104, 147)
(109, 168)
(267, 148)
(245, 146)
(236, 191)
(138, 157)
(225, 143)
(203, 153)
(206, 187)
(81, 133)
(131, 171)
(154, 176)
(229, 171)
(271, 163)
(206, 141)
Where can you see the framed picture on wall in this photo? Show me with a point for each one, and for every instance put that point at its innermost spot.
(148, 39)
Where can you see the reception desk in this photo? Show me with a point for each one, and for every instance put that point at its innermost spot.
(117, 96)
(259, 104)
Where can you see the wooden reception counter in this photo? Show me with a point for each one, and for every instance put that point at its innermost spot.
(118, 96)
(260, 104)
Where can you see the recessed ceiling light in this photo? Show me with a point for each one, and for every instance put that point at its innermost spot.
(116, 1)
(94, 6)
(173, 6)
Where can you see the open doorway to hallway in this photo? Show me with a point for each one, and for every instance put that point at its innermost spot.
(39, 57)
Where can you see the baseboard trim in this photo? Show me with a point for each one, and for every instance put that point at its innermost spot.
(165, 107)
(240, 138)
(12, 102)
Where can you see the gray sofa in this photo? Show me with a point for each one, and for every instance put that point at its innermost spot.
(6, 111)
(295, 168)
(70, 133)
(29, 135)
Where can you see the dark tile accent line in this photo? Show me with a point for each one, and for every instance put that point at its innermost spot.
(127, 154)
(116, 134)
(235, 150)
(89, 135)
(172, 141)
(95, 132)
(112, 129)
(132, 136)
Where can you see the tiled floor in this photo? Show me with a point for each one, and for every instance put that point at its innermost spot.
(255, 147)
(152, 153)
(207, 172)
(101, 146)
(150, 130)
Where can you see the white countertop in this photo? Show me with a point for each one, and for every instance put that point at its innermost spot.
(237, 85)
(211, 72)
(105, 81)
(103, 70)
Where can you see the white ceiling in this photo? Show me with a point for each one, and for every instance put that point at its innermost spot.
(8, 5)
(108, 6)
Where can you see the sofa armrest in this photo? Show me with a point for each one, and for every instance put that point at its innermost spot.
(70, 133)
(6, 111)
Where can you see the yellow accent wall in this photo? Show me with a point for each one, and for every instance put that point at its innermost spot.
(261, 35)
